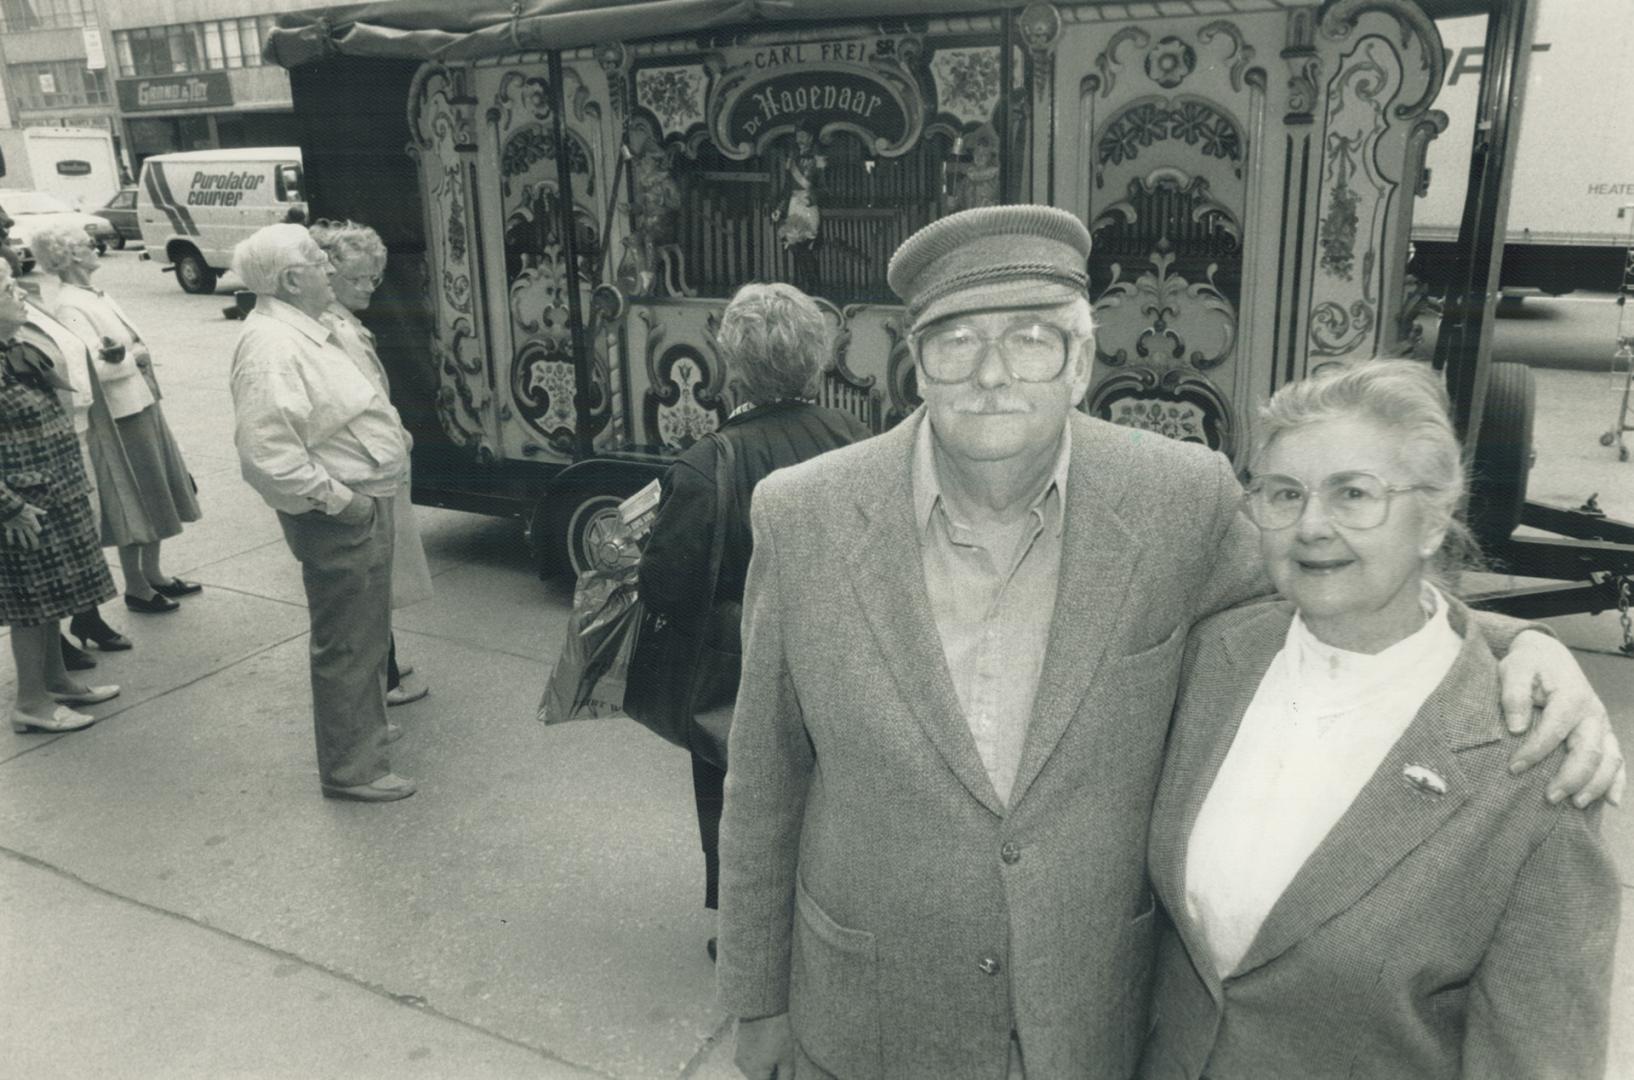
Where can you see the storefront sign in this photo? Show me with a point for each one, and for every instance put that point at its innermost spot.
(208, 89)
(818, 86)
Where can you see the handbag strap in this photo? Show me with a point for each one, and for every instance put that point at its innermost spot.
(725, 491)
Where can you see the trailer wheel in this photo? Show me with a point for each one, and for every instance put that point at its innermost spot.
(587, 531)
(1503, 455)
(193, 274)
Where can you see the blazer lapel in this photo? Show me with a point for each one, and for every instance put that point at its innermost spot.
(1391, 816)
(1098, 557)
(888, 575)
(1197, 751)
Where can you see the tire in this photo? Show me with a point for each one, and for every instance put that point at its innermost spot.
(101, 246)
(119, 242)
(1502, 459)
(193, 275)
(584, 533)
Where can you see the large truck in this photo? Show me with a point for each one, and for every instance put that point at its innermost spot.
(75, 164)
(1574, 172)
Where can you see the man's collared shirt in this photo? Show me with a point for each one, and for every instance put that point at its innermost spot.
(311, 428)
(992, 608)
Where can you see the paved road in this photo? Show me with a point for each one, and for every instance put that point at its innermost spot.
(176, 900)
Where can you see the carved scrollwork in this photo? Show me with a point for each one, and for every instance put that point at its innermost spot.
(1108, 63)
(686, 389)
(1335, 331)
(1241, 54)
(1304, 68)
(1340, 20)
(1175, 403)
(901, 377)
(1164, 318)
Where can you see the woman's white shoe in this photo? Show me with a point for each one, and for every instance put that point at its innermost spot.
(62, 719)
(94, 695)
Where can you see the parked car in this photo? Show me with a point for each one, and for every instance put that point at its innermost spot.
(31, 211)
(121, 214)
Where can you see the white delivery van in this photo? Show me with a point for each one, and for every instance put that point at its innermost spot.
(194, 207)
(75, 164)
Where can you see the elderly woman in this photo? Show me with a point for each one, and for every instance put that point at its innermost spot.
(358, 259)
(137, 516)
(1356, 883)
(773, 340)
(50, 564)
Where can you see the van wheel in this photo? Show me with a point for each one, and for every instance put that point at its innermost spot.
(193, 275)
(119, 242)
(1503, 455)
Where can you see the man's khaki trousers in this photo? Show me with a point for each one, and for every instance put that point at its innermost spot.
(347, 573)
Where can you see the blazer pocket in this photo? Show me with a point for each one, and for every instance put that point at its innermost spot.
(834, 992)
(1160, 660)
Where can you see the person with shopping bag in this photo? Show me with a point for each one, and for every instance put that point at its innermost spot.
(774, 341)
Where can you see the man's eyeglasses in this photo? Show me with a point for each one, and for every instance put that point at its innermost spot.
(1356, 500)
(1032, 351)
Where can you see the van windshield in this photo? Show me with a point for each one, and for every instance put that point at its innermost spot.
(33, 202)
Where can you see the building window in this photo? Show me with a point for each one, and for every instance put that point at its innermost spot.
(58, 84)
(188, 47)
(17, 15)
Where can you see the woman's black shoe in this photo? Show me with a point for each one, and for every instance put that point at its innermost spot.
(75, 660)
(157, 604)
(176, 588)
(88, 626)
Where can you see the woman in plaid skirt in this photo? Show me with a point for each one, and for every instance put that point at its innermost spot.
(50, 564)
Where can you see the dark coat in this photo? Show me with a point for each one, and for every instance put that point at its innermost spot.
(1461, 934)
(770, 437)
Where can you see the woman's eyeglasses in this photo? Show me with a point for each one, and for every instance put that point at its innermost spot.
(1356, 500)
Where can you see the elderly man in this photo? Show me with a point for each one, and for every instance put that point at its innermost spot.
(962, 645)
(325, 449)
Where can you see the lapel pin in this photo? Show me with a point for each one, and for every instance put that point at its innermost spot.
(1426, 780)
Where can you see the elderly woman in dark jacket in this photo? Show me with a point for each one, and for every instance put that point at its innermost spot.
(773, 340)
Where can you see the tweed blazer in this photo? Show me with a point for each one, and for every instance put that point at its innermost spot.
(1462, 934)
(873, 885)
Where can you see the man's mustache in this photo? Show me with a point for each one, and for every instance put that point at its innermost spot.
(992, 405)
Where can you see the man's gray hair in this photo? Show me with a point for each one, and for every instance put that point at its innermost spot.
(51, 245)
(774, 340)
(269, 251)
(349, 239)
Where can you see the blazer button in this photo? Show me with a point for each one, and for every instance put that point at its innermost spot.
(990, 965)
(1010, 852)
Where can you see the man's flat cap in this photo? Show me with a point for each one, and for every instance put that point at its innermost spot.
(991, 257)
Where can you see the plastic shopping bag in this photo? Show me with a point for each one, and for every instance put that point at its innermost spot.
(589, 677)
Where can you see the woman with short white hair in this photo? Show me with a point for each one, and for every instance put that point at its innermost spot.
(1356, 883)
(135, 518)
(357, 259)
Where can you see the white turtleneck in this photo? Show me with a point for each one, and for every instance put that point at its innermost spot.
(1320, 723)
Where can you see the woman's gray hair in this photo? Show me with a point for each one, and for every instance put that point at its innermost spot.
(1406, 397)
(268, 252)
(348, 239)
(51, 245)
(774, 340)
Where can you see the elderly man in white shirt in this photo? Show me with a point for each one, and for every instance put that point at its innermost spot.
(326, 449)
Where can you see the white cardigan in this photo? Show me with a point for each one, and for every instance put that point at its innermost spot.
(93, 315)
